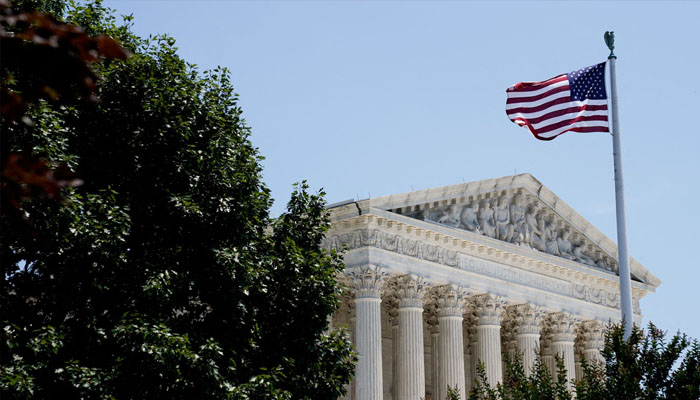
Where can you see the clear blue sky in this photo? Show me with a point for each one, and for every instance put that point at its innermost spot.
(373, 98)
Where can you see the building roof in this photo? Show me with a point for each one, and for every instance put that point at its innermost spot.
(448, 210)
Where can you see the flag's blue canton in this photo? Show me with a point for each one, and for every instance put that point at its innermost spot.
(588, 83)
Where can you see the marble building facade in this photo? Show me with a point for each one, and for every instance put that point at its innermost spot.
(441, 278)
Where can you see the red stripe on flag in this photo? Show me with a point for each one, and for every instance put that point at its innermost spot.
(564, 111)
(532, 86)
(561, 124)
(514, 100)
(549, 104)
(589, 129)
(541, 107)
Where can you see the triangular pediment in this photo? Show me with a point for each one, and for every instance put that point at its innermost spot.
(518, 210)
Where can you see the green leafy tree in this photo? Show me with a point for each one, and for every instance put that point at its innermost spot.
(452, 393)
(163, 274)
(646, 366)
(42, 59)
(517, 385)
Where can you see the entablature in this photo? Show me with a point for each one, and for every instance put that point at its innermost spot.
(504, 215)
(461, 249)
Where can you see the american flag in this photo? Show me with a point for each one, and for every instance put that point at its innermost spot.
(569, 102)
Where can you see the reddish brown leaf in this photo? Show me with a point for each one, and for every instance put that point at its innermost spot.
(110, 48)
(27, 176)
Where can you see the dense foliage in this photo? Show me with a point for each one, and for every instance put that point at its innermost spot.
(539, 385)
(42, 59)
(646, 366)
(162, 275)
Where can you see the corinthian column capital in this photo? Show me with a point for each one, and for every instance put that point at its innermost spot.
(449, 300)
(591, 333)
(527, 317)
(368, 281)
(409, 290)
(562, 326)
(487, 308)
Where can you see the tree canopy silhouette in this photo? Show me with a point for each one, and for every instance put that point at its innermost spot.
(162, 275)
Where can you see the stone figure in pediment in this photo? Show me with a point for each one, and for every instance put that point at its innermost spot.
(517, 218)
(538, 239)
(504, 229)
(486, 219)
(469, 218)
(550, 238)
(426, 215)
(565, 246)
(603, 263)
(581, 256)
(531, 220)
(450, 216)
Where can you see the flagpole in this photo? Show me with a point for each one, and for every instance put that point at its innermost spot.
(623, 257)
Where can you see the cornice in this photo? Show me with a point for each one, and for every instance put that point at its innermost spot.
(477, 245)
(459, 194)
(451, 242)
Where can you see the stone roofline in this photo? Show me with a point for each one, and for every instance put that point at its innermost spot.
(524, 183)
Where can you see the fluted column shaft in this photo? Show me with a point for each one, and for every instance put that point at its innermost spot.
(451, 348)
(350, 394)
(508, 339)
(488, 310)
(488, 351)
(527, 338)
(547, 355)
(593, 356)
(368, 337)
(467, 371)
(435, 364)
(451, 356)
(410, 365)
(577, 361)
(589, 342)
(473, 343)
(470, 321)
(563, 346)
(467, 359)
(529, 343)
(395, 359)
(562, 325)
(390, 304)
(369, 346)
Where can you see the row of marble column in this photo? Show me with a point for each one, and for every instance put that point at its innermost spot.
(465, 328)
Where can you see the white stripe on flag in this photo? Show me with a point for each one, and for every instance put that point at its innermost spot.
(558, 107)
(580, 124)
(545, 89)
(566, 93)
(552, 121)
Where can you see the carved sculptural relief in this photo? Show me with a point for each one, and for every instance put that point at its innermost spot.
(521, 220)
(486, 219)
